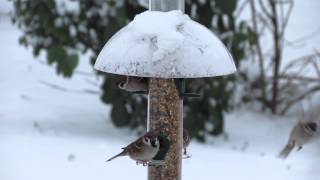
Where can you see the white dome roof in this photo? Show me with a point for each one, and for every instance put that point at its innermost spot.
(165, 45)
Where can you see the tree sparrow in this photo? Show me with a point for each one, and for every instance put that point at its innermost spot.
(143, 150)
(300, 135)
(134, 84)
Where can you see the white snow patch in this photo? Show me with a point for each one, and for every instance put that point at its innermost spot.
(50, 134)
(65, 6)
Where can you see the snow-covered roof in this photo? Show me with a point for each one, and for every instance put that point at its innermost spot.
(165, 45)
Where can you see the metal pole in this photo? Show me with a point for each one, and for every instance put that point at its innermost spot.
(165, 111)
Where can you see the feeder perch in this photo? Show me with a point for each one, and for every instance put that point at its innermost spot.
(166, 46)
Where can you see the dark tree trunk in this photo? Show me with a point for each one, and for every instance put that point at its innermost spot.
(277, 56)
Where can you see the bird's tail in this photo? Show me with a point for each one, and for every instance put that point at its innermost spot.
(286, 151)
(123, 153)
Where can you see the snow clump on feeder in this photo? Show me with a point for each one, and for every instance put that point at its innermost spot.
(165, 45)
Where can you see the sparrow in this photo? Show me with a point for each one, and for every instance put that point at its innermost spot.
(186, 141)
(134, 84)
(299, 136)
(143, 150)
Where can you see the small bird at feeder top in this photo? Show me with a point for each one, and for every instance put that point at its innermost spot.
(165, 45)
(134, 84)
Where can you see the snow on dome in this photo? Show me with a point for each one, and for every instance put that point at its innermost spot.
(165, 45)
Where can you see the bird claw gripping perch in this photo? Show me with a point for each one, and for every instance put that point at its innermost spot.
(144, 163)
(151, 163)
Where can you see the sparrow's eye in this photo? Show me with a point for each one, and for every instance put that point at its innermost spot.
(146, 139)
(121, 84)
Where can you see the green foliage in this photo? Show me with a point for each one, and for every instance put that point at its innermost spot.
(65, 63)
(226, 6)
(64, 33)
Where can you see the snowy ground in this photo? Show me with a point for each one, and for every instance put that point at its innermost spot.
(51, 133)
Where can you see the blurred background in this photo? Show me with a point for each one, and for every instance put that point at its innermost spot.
(61, 119)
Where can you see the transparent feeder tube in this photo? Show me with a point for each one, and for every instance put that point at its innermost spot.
(165, 112)
(166, 5)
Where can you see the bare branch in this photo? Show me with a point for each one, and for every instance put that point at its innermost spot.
(264, 9)
(259, 50)
(306, 37)
(277, 51)
(241, 8)
(316, 67)
(264, 21)
(299, 98)
(286, 18)
(304, 60)
(299, 78)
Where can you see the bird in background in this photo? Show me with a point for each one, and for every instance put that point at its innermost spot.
(186, 142)
(301, 134)
(143, 150)
(133, 84)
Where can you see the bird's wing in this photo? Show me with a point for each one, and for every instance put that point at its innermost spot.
(135, 146)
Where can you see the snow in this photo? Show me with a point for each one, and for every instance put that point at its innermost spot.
(167, 45)
(51, 133)
(66, 6)
(302, 35)
(5, 7)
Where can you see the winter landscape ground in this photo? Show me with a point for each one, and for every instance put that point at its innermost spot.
(55, 128)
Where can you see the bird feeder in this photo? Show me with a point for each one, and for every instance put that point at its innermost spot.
(166, 46)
